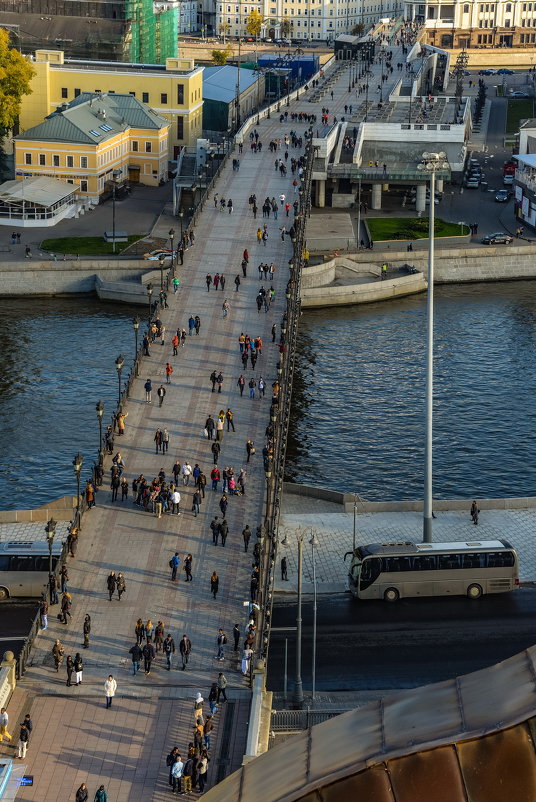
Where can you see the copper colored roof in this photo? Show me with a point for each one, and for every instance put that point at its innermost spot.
(470, 739)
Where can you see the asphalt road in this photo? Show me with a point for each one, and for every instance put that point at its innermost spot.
(375, 645)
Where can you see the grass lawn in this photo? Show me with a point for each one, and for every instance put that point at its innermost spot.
(518, 109)
(383, 228)
(86, 246)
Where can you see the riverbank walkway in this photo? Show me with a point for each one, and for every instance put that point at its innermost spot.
(75, 738)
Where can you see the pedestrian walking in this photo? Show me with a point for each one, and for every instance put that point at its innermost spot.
(225, 310)
(246, 534)
(72, 540)
(252, 384)
(87, 630)
(221, 640)
(136, 654)
(209, 427)
(219, 380)
(161, 393)
(43, 612)
(149, 655)
(474, 512)
(120, 585)
(169, 371)
(4, 724)
(241, 382)
(82, 794)
(139, 630)
(78, 667)
(176, 774)
(214, 584)
(57, 653)
(222, 685)
(196, 503)
(110, 583)
(188, 568)
(168, 648)
(110, 687)
(22, 745)
(212, 698)
(100, 794)
(185, 648)
(250, 449)
(284, 576)
(236, 636)
(229, 416)
(237, 282)
(69, 666)
(223, 504)
(66, 604)
(246, 661)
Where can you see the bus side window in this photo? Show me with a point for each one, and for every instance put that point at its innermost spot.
(474, 560)
(41, 564)
(449, 561)
(21, 563)
(4, 563)
(427, 563)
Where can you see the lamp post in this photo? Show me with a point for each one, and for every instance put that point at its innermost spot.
(298, 687)
(314, 543)
(150, 297)
(161, 273)
(430, 163)
(172, 237)
(181, 215)
(115, 175)
(99, 408)
(136, 323)
(77, 467)
(50, 530)
(119, 362)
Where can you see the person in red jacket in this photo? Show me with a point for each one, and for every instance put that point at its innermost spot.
(215, 476)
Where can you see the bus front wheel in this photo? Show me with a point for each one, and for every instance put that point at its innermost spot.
(3, 594)
(391, 595)
(474, 592)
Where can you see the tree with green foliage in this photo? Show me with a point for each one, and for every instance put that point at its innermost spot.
(16, 73)
(358, 29)
(286, 27)
(254, 23)
(220, 57)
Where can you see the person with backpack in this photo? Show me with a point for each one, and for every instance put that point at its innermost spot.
(149, 655)
(136, 654)
(174, 565)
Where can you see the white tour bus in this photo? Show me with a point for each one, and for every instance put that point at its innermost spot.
(24, 567)
(391, 571)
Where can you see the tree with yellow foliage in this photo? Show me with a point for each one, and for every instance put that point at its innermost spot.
(16, 73)
(254, 23)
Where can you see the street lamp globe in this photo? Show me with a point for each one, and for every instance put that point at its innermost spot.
(77, 464)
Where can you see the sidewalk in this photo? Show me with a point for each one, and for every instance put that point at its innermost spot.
(334, 530)
(75, 738)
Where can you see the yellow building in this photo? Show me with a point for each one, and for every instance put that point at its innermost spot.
(94, 141)
(173, 90)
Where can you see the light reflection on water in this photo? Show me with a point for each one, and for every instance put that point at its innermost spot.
(358, 405)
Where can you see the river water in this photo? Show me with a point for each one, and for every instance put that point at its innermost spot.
(57, 359)
(358, 406)
(357, 422)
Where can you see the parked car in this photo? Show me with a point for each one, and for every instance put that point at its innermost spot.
(519, 94)
(502, 195)
(164, 253)
(504, 71)
(508, 180)
(487, 72)
(500, 238)
(473, 183)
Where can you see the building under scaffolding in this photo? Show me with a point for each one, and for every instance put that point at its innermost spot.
(138, 31)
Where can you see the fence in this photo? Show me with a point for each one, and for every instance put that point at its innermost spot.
(295, 720)
(26, 650)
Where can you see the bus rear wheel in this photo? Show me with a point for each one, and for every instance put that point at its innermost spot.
(391, 595)
(3, 594)
(474, 592)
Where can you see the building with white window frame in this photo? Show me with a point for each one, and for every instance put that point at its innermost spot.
(475, 24)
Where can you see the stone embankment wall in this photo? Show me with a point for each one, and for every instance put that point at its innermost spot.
(34, 277)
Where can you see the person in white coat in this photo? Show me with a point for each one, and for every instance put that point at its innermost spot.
(110, 687)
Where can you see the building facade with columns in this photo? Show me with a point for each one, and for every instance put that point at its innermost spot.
(307, 20)
(473, 24)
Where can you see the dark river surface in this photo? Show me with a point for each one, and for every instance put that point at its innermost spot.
(357, 421)
(358, 406)
(57, 359)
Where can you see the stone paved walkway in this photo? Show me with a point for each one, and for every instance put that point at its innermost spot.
(334, 530)
(76, 739)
